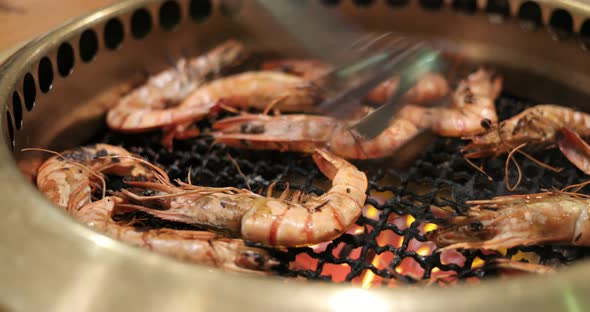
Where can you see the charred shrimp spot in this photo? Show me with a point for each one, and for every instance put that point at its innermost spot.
(139, 178)
(257, 129)
(475, 226)
(80, 155)
(115, 159)
(320, 206)
(102, 153)
(287, 68)
(486, 123)
(251, 259)
(244, 128)
(469, 98)
(348, 190)
(252, 129)
(578, 237)
(258, 259)
(223, 204)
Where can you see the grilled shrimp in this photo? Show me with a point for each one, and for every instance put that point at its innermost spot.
(256, 90)
(195, 246)
(537, 127)
(429, 87)
(250, 89)
(69, 178)
(472, 103)
(543, 218)
(147, 106)
(302, 220)
(304, 133)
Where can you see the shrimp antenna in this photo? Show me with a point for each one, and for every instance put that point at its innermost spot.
(507, 165)
(161, 175)
(274, 103)
(478, 168)
(576, 187)
(540, 163)
(92, 172)
(228, 108)
(235, 163)
(188, 176)
(530, 157)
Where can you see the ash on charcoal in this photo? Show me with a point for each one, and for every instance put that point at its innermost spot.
(450, 179)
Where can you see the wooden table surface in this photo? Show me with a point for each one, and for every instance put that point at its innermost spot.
(23, 20)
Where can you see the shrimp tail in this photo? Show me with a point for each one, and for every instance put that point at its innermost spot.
(575, 149)
(328, 163)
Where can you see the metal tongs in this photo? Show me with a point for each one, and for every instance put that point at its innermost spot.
(324, 34)
(346, 85)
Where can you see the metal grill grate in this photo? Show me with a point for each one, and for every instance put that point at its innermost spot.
(386, 243)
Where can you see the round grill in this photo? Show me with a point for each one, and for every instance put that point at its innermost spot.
(394, 251)
(55, 91)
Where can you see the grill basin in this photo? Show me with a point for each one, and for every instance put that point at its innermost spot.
(54, 95)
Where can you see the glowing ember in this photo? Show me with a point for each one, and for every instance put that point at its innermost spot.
(477, 263)
(395, 266)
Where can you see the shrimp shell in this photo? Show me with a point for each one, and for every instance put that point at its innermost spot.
(256, 90)
(538, 126)
(304, 133)
(543, 218)
(471, 104)
(68, 179)
(194, 246)
(302, 220)
(144, 108)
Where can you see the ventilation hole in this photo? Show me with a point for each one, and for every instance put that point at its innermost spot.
(113, 34)
(465, 6)
(199, 10)
(431, 4)
(29, 91)
(141, 23)
(498, 7)
(10, 130)
(65, 59)
(363, 3)
(45, 73)
(530, 15)
(398, 3)
(88, 45)
(330, 2)
(561, 24)
(585, 35)
(169, 15)
(17, 110)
